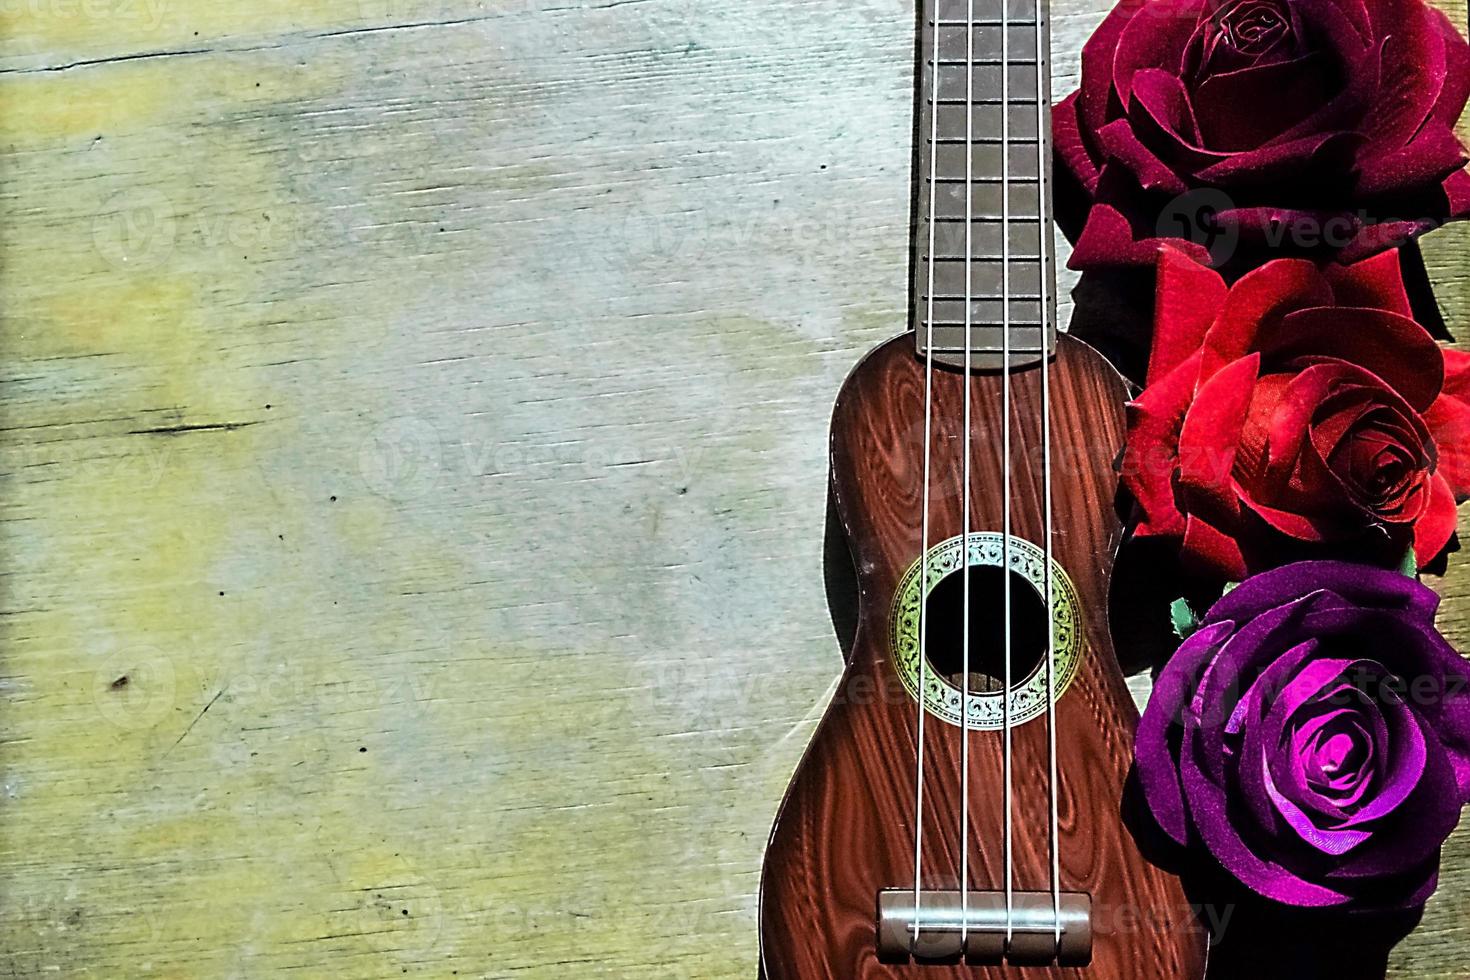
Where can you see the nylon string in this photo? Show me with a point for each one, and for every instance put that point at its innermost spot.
(1005, 421)
(966, 446)
(1043, 232)
(924, 519)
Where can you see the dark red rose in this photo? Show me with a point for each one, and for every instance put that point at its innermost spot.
(1325, 127)
(1298, 413)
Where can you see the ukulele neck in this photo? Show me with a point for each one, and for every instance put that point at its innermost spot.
(982, 234)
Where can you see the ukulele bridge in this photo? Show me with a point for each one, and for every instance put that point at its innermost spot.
(950, 926)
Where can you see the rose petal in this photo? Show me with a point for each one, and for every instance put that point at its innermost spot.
(1250, 712)
(1413, 72)
(1394, 348)
(1160, 115)
(1109, 238)
(1456, 190)
(1324, 153)
(1159, 729)
(1372, 238)
(1455, 87)
(1412, 833)
(1151, 41)
(1151, 453)
(1449, 420)
(1261, 873)
(1233, 670)
(1279, 228)
(1435, 525)
(1208, 550)
(1255, 306)
(1107, 241)
(1377, 283)
(1098, 53)
(1428, 159)
(1188, 296)
(1297, 422)
(1119, 142)
(1281, 95)
(1068, 142)
(1338, 794)
(1356, 584)
(1209, 437)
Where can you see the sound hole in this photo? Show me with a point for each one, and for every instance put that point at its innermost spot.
(945, 641)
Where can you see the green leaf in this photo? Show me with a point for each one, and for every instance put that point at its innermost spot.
(1410, 564)
(1184, 620)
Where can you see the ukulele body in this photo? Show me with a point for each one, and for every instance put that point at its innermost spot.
(846, 829)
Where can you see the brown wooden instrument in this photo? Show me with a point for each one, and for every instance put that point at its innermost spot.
(981, 836)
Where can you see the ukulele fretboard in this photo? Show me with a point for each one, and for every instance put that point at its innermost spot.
(982, 204)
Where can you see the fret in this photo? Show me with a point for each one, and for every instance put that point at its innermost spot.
(979, 141)
(954, 84)
(982, 62)
(986, 159)
(954, 43)
(955, 210)
(1017, 255)
(1024, 268)
(986, 122)
(958, 221)
(985, 279)
(949, 339)
(949, 334)
(1013, 100)
(961, 11)
(985, 200)
(977, 257)
(958, 298)
(980, 179)
(983, 311)
(984, 240)
(950, 308)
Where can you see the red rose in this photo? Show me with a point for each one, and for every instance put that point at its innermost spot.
(1299, 413)
(1324, 126)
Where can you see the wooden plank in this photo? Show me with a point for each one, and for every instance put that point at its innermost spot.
(412, 427)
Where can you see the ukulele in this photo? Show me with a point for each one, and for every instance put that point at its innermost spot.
(957, 813)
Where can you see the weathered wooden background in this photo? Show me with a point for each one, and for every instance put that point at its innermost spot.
(412, 423)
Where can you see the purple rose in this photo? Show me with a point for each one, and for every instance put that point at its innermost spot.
(1313, 736)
